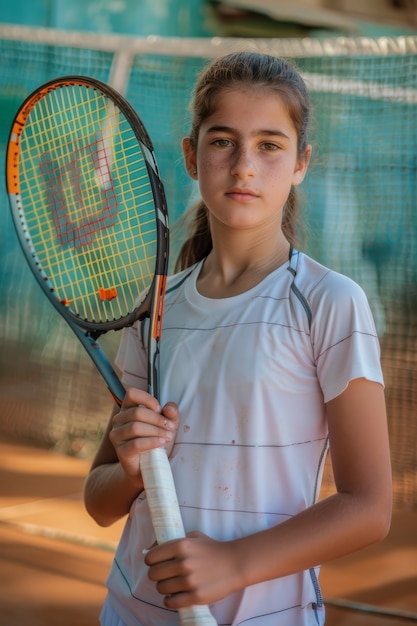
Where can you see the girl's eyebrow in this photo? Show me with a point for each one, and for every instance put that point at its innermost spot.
(269, 132)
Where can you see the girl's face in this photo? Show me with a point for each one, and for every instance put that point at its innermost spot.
(246, 158)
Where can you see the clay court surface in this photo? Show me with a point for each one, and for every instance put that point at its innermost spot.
(54, 559)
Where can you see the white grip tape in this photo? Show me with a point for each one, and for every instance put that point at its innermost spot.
(165, 512)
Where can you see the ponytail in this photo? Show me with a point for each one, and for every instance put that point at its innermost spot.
(291, 219)
(199, 243)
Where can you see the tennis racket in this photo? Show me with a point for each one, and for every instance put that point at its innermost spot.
(90, 213)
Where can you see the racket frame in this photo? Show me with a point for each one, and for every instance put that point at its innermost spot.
(88, 332)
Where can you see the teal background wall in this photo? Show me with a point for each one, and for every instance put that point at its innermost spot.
(133, 17)
(183, 18)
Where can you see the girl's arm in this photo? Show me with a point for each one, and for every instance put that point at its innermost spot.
(114, 480)
(199, 570)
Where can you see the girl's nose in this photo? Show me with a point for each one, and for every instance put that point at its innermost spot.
(243, 164)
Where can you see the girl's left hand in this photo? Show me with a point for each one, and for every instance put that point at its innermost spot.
(194, 570)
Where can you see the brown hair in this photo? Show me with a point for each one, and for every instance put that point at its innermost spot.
(246, 69)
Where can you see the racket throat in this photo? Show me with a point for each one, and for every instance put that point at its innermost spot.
(153, 372)
(93, 336)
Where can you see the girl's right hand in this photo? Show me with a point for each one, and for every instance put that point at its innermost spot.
(140, 425)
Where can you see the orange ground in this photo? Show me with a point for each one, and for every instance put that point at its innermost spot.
(54, 559)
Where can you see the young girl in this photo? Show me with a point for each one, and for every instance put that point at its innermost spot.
(267, 358)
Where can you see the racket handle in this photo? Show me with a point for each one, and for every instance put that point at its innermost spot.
(166, 518)
(196, 616)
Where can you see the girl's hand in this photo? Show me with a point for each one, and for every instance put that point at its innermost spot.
(195, 570)
(140, 425)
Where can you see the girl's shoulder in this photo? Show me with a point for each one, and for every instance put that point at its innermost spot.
(316, 281)
(328, 295)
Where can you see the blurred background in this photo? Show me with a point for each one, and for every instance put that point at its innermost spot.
(359, 58)
(242, 18)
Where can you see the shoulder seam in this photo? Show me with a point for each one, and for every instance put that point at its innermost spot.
(292, 268)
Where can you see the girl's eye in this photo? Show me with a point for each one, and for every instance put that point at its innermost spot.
(269, 147)
(222, 143)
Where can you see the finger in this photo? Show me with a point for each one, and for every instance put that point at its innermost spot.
(131, 449)
(171, 410)
(182, 600)
(139, 432)
(146, 422)
(139, 414)
(135, 397)
(159, 553)
(171, 413)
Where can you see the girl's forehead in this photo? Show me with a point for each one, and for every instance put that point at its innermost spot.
(243, 102)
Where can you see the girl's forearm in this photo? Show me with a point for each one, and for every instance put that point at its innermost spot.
(328, 530)
(109, 493)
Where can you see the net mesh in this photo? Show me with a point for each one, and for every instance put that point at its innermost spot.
(358, 203)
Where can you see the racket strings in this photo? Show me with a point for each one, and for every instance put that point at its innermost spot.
(88, 203)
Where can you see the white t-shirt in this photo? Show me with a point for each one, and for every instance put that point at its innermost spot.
(251, 375)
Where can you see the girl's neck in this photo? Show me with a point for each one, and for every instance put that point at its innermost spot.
(233, 269)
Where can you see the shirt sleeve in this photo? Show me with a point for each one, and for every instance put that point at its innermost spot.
(345, 341)
(131, 358)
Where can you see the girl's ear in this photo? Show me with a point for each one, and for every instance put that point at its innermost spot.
(302, 166)
(189, 158)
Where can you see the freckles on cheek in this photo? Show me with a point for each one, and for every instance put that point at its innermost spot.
(206, 164)
(212, 160)
(209, 171)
